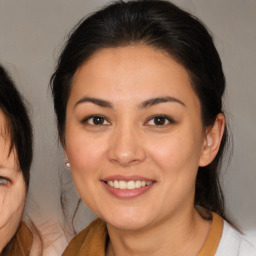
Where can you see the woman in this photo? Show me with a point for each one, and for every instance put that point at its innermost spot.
(15, 160)
(138, 98)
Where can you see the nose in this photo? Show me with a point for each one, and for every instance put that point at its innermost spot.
(126, 147)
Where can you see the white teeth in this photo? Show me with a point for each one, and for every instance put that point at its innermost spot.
(138, 184)
(116, 184)
(131, 184)
(122, 184)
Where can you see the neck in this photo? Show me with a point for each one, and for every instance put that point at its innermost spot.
(176, 235)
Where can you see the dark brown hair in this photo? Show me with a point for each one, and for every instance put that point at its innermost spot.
(19, 129)
(18, 123)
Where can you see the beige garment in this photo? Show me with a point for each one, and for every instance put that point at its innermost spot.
(92, 240)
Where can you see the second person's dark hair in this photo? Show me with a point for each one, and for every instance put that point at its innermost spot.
(18, 123)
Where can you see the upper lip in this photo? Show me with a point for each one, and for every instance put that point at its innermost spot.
(126, 178)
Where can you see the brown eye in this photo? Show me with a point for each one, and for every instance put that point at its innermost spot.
(160, 120)
(96, 120)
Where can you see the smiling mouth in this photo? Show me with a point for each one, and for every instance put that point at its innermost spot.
(131, 184)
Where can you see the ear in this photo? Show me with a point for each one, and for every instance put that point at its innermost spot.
(212, 141)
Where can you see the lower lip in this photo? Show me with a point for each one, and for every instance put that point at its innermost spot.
(127, 193)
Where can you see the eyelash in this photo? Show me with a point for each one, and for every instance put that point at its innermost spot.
(4, 181)
(102, 120)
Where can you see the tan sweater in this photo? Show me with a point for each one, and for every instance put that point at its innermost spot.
(92, 241)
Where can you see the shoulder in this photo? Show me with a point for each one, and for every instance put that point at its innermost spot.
(234, 243)
(93, 236)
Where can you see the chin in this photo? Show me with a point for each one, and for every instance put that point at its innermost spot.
(130, 225)
(127, 221)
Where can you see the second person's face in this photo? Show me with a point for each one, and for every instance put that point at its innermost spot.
(134, 136)
(12, 187)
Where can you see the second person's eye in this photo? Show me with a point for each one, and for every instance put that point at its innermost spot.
(3, 181)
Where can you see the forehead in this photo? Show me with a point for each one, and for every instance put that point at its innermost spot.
(132, 71)
(8, 156)
(4, 132)
(125, 61)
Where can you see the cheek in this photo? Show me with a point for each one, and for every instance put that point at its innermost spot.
(177, 158)
(12, 203)
(85, 155)
(83, 151)
(176, 151)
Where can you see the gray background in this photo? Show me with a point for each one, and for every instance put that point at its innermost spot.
(32, 33)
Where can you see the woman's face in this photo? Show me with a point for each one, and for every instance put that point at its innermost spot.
(12, 187)
(134, 136)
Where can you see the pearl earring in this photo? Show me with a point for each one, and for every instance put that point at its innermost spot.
(67, 164)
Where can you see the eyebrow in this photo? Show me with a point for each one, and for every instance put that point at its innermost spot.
(144, 104)
(158, 100)
(99, 102)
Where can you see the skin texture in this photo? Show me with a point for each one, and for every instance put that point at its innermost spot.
(12, 194)
(127, 143)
